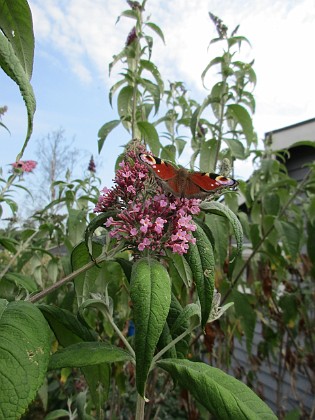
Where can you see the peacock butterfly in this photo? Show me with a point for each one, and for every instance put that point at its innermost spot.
(183, 183)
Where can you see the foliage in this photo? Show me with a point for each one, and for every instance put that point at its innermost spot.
(133, 294)
(17, 53)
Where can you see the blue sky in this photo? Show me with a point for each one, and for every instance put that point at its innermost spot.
(76, 39)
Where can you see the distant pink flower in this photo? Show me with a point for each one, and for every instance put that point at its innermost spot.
(24, 165)
(148, 220)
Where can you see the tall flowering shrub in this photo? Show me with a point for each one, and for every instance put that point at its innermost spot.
(148, 220)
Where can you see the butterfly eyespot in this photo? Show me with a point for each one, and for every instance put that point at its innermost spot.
(150, 160)
(223, 180)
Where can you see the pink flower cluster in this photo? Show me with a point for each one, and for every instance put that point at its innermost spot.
(24, 165)
(148, 220)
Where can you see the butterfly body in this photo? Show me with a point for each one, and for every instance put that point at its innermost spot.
(183, 183)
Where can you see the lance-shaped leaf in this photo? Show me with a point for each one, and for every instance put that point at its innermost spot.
(10, 63)
(84, 281)
(241, 115)
(66, 327)
(87, 354)
(182, 267)
(156, 29)
(104, 131)
(200, 257)
(24, 355)
(17, 25)
(150, 291)
(150, 135)
(94, 224)
(220, 209)
(224, 396)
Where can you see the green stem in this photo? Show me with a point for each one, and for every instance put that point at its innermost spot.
(20, 250)
(119, 333)
(8, 185)
(40, 295)
(140, 408)
(135, 70)
(103, 257)
(263, 238)
(170, 345)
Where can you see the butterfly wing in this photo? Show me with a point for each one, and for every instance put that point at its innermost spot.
(182, 183)
(209, 182)
(163, 170)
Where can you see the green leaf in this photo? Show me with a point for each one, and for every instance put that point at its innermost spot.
(310, 242)
(8, 244)
(98, 379)
(150, 292)
(24, 355)
(104, 131)
(17, 25)
(87, 354)
(85, 281)
(124, 101)
(310, 210)
(175, 311)
(237, 40)
(190, 314)
(220, 231)
(271, 204)
(150, 136)
(96, 222)
(201, 261)
(224, 396)
(182, 268)
(116, 59)
(220, 209)
(66, 327)
(218, 92)
(236, 147)
(169, 153)
(290, 235)
(126, 266)
(22, 280)
(241, 116)
(150, 67)
(76, 225)
(11, 65)
(214, 62)
(156, 29)
(113, 90)
(207, 155)
(247, 315)
(155, 93)
(56, 414)
(289, 304)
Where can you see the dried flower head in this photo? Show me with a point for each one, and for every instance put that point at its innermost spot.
(92, 167)
(220, 27)
(131, 36)
(24, 166)
(148, 219)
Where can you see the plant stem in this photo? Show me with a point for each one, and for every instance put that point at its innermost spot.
(8, 185)
(120, 335)
(40, 295)
(20, 250)
(268, 231)
(170, 345)
(103, 257)
(140, 408)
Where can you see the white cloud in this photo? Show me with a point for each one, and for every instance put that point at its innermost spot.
(281, 35)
